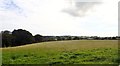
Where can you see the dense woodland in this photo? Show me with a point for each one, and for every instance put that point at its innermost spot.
(23, 37)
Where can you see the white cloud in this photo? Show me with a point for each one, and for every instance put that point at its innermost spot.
(79, 9)
(46, 17)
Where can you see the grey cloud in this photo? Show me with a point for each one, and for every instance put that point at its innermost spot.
(79, 9)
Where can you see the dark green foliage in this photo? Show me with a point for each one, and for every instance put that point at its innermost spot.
(76, 38)
(73, 57)
(56, 62)
(59, 38)
(38, 38)
(25, 55)
(7, 38)
(22, 37)
(16, 38)
(116, 60)
(15, 56)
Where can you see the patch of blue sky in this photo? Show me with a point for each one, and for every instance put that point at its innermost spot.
(10, 5)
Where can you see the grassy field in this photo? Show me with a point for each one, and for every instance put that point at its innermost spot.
(63, 52)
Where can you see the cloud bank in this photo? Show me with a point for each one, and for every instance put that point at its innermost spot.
(60, 17)
(79, 9)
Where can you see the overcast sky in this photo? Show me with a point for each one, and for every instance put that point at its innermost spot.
(61, 17)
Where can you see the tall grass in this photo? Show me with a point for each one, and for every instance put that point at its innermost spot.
(63, 52)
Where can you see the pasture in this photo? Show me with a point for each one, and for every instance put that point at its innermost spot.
(63, 52)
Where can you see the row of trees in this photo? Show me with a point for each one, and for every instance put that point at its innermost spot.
(22, 37)
(18, 37)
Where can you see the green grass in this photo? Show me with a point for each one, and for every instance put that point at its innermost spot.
(63, 52)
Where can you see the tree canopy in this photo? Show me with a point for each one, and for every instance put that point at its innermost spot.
(22, 37)
(7, 38)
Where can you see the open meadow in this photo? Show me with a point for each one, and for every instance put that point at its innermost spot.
(63, 52)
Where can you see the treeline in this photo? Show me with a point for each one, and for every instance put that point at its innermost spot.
(16, 38)
(23, 37)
